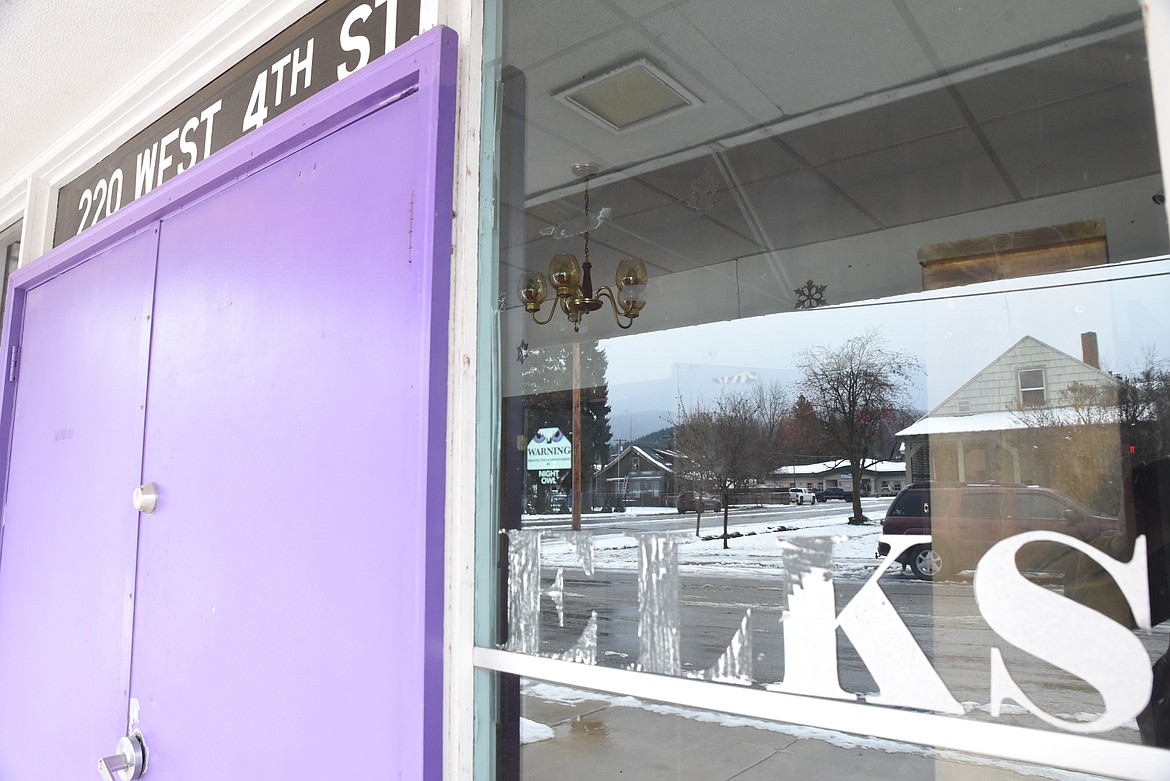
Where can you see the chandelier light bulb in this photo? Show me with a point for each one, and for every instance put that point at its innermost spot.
(564, 272)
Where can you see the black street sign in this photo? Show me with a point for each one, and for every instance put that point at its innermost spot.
(323, 47)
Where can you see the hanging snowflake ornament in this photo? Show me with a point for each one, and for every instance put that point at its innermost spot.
(810, 295)
(704, 194)
(522, 352)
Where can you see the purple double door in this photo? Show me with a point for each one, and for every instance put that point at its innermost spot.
(270, 355)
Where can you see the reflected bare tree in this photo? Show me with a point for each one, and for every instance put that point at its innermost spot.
(855, 390)
(1092, 433)
(1078, 435)
(729, 442)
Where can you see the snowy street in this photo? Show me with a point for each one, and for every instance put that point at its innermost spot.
(718, 586)
(755, 552)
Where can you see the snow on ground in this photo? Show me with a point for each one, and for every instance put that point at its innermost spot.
(756, 552)
(534, 732)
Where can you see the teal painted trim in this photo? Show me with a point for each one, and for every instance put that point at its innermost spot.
(485, 724)
(487, 405)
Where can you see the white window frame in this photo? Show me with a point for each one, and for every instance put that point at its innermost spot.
(1032, 388)
(1001, 740)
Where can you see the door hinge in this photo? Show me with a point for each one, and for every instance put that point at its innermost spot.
(410, 232)
(14, 363)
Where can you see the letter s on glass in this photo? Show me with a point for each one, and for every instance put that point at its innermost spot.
(1069, 635)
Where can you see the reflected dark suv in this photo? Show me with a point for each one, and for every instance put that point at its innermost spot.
(962, 522)
(689, 502)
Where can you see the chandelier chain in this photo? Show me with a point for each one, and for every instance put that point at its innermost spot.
(586, 219)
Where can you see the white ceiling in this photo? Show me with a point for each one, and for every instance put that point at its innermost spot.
(757, 62)
(818, 120)
(832, 141)
(61, 59)
(824, 119)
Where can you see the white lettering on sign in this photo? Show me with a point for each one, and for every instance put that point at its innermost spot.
(524, 595)
(248, 95)
(898, 666)
(257, 104)
(154, 162)
(144, 171)
(187, 145)
(301, 73)
(549, 448)
(659, 633)
(355, 43)
(1041, 622)
(208, 116)
(360, 43)
(164, 156)
(103, 200)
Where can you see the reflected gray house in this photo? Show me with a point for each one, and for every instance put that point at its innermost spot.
(991, 428)
(639, 476)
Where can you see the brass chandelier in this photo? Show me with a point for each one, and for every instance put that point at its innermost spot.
(573, 281)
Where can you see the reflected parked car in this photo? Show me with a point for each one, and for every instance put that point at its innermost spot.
(963, 521)
(690, 501)
(802, 495)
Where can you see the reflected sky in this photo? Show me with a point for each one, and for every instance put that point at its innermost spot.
(953, 333)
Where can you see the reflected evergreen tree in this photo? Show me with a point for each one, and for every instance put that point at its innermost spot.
(1143, 406)
(899, 418)
(662, 439)
(802, 435)
(547, 380)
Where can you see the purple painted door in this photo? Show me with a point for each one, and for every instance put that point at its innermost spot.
(279, 632)
(265, 339)
(67, 572)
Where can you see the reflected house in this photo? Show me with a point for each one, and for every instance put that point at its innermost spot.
(880, 478)
(640, 476)
(1034, 415)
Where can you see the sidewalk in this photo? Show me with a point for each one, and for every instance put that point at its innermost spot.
(594, 740)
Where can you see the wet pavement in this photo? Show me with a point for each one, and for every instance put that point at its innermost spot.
(596, 740)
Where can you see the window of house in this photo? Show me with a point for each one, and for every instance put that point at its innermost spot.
(1032, 387)
(715, 250)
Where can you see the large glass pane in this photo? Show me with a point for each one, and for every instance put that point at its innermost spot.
(575, 734)
(831, 350)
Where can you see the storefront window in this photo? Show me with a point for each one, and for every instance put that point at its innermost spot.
(831, 402)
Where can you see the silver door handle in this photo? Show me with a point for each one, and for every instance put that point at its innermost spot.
(128, 763)
(146, 498)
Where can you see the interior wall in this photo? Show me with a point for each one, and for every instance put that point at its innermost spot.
(858, 268)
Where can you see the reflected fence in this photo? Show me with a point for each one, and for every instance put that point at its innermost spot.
(739, 498)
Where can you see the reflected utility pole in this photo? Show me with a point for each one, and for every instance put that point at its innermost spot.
(577, 438)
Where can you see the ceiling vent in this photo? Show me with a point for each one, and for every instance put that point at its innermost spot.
(628, 95)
